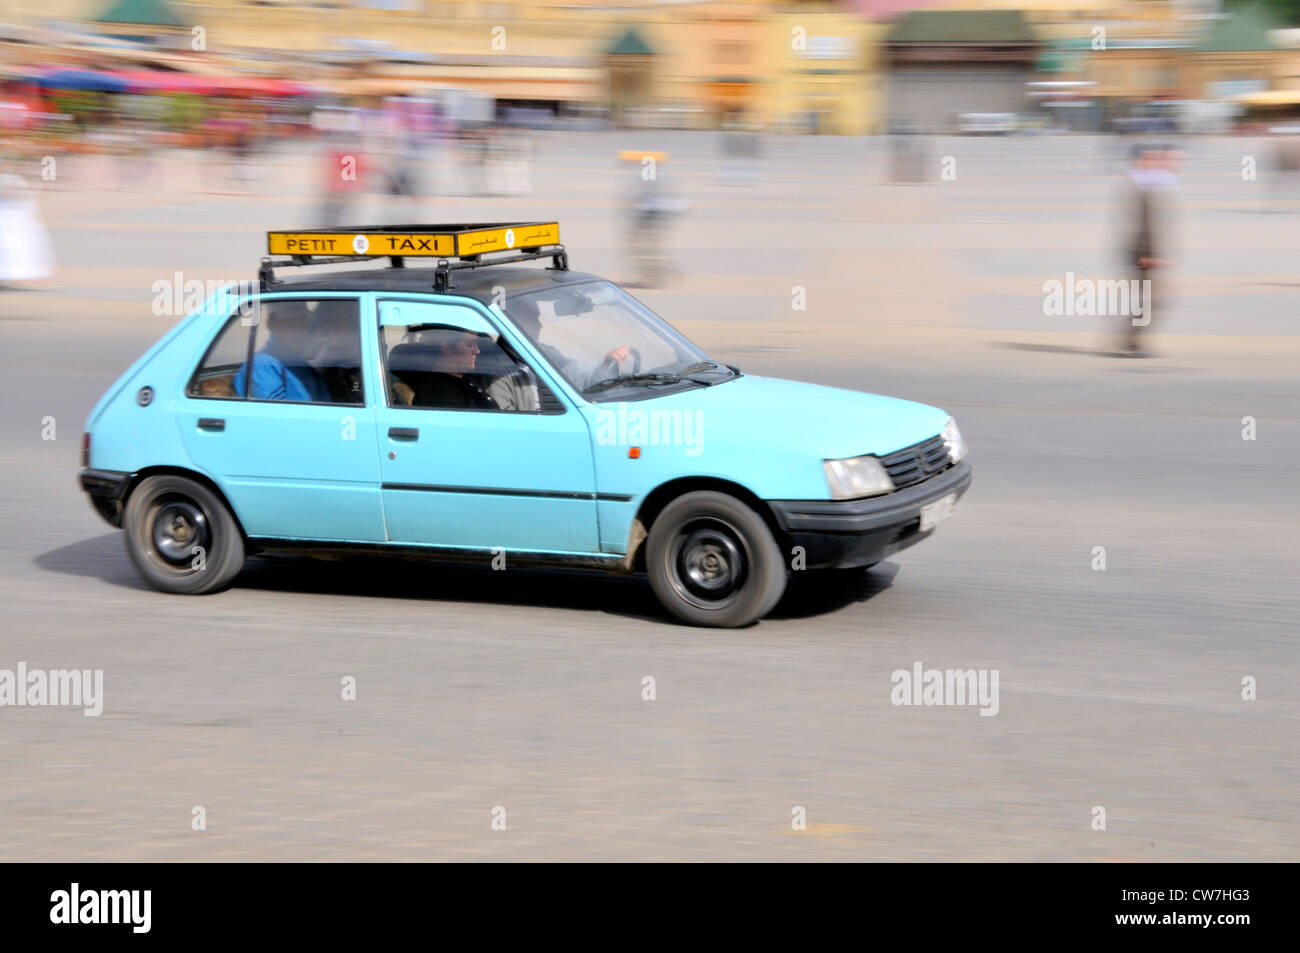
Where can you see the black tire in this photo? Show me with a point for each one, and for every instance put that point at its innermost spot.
(181, 536)
(713, 561)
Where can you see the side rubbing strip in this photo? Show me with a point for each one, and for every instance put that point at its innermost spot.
(503, 491)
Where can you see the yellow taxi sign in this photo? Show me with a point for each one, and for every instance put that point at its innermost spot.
(507, 238)
(360, 244)
(430, 241)
(640, 155)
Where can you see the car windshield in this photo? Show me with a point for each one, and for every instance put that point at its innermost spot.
(607, 344)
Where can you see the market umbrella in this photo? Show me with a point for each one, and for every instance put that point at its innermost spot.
(163, 81)
(82, 79)
(258, 86)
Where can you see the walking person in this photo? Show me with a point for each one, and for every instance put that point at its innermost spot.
(341, 166)
(26, 253)
(1152, 185)
(1286, 165)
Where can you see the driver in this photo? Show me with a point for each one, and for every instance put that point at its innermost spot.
(524, 312)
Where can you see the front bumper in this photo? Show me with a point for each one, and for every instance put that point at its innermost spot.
(107, 491)
(845, 533)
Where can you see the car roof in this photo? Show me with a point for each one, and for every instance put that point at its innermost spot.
(481, 284)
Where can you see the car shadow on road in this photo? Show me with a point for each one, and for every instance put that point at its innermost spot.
(827, 590)
(809, 594)
(557, 588)
(100, 557)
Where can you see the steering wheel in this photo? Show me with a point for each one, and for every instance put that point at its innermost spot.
(610, 364)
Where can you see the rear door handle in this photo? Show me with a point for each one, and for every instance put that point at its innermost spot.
(212, 423)
(404, 433)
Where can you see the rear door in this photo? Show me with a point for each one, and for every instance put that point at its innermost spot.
(293, 443)
(476, 451)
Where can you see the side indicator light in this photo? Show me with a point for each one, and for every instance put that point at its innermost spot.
(634, 453)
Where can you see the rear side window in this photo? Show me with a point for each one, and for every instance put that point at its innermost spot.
(300, 350)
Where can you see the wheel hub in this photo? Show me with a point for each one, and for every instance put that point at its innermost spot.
(178, 527)
(710, 563)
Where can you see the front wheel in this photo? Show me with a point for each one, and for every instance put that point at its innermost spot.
(181, 536)
(713, 561)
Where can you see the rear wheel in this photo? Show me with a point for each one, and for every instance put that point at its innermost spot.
(713, 561)
(181, 536)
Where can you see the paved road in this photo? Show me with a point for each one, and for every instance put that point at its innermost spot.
(1119, 688)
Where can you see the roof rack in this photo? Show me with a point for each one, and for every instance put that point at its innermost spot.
(454, 246)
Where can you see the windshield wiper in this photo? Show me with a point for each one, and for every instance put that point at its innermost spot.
(632, 379)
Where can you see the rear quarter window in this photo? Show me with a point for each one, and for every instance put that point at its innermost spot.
(215, 375)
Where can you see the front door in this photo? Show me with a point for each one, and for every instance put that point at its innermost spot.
(475, 451)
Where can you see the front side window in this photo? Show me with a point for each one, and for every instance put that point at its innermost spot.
(444, 367)
(300, 350)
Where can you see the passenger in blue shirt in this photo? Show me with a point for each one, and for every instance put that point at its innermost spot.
(280, 372)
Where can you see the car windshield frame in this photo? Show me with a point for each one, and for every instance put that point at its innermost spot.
(639, 317)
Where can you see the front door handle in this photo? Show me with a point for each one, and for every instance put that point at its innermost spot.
(403, 433)
(212, 423)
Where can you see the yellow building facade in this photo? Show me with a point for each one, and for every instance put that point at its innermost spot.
(773, 64)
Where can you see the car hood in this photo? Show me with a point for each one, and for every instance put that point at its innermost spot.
(827, 422)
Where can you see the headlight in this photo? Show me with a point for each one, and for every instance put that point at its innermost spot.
(953, 441)
(857, 477)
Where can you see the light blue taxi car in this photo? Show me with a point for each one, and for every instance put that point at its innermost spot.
(496, 407)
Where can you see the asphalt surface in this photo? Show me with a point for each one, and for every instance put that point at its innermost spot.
(522, 689)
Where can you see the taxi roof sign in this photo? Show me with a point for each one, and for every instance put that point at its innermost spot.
(415, 241)
(359, 244)
(452, 246)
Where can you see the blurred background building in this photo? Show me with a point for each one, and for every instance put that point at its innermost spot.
(841, 67)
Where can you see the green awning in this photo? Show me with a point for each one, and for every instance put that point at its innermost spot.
(994, 27)
(148, 12)
(1245, 30)
(630, 44)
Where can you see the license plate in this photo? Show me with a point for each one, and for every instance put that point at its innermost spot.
(934, 513)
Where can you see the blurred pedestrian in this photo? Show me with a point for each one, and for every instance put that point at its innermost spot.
(1286, 163)
(25, 251)
(908, 159)
(1152, 184)
(341, 182)
(439, 150)
(387, 138)
(132, 149)
(240, 146)
(342, 163)
(651, 207)
(741, 150)
(479, 150)
(508, 168)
